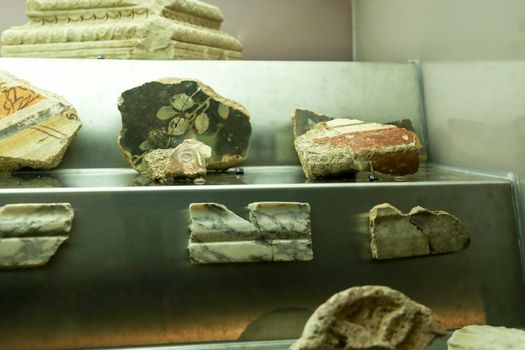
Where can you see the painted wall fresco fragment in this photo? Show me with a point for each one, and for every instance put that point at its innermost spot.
(36, 126)
(163, 114)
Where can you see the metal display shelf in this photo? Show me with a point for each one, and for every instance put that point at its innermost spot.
(124, 278)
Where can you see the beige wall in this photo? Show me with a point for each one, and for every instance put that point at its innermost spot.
(443, 30)
(270, 29)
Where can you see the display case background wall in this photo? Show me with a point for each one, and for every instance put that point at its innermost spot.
(473, 64)
(302, 30)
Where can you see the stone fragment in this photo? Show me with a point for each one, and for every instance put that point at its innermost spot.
(212, 222)
(217, 235)
(30, 234)
(230, 252)
(127, 29)
(487, 338)
(370, 318)
(342, 146)
(36, 126)
(162, 114)
(281, 220)
(23, 220)
(420, 232)
(186, 160)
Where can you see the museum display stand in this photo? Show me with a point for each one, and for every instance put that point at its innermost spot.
(124, 278)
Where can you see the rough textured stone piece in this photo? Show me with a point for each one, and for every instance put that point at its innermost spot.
(341, 146)
(30, 234)
(487, 338)
(420, 232)
(162, 114)
(217, 235)
(370, 318)
(36, 126)
(128, 29)
(281, 220)
(186, 160)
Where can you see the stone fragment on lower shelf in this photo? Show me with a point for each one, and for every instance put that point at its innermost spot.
(23, 220)
(278, 231)
(30, 234)
(36, 126)
(230, 252)
(28, 251)
(281, 220)
(187, 160)
(369, 318)
(487, 338)
(420, 232)
(162, 114)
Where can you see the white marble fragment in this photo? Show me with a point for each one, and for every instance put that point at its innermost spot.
(278, 231)
(30, 234)
(487, 338)
(17, 220)
(28, 251)
(212, 222)
(281, 220)
(292, 250)
(230, 252)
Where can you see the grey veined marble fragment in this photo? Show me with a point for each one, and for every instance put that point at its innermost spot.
(420, 232)
(30, 234)
(487, 338)
(281, 220)
(277, 231)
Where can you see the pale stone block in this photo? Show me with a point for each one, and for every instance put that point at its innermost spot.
(487, 338)
(230, 252)
(292, 250)
(281, 220)
(28, 251)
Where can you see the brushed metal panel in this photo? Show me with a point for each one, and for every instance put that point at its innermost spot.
(124, 277)
(271, 91)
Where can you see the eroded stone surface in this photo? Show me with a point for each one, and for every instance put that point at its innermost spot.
(281, 220)
(162, 114)
(36, 126)
(420, 232)
(487, 338)
(30, 234)
(189, 159)
(128, 29)
(341, 146)
(370, 318)
(218, 235)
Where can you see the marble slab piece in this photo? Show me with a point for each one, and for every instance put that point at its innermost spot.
(292, 250)
(420, 232)
(163, 114)
(230, 252)
(213, 222)
(370, 318)
(277, 231)
(487, 338)
(30, 234)
(281, 220)
(17, 220)
(125, 29)
(36, 126)
(26, 252)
